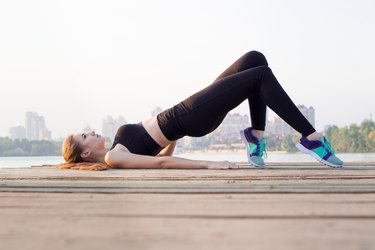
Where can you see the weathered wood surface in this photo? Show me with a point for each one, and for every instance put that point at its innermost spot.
(299, 206)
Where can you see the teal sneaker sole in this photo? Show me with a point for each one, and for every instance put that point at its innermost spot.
(317, 157)
(247, 151)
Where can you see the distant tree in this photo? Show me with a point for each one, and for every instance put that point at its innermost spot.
(355, 140)
(367, 129)
(42, 148)
(273, 143)
(352, 139)
(24, 147)
(289, 143)
(6, 145)
(371, 140)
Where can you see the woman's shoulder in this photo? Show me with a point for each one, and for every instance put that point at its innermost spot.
(114, 154)
(120, 147)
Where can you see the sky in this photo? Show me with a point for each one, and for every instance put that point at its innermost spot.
(75, 62)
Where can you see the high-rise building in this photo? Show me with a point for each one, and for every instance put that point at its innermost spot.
(229, 130)
(36, 127)
(277, 126)
(31, 125)
(110, 126)
(156, 111)
(227, 133)
(309, 113)
(17, 132)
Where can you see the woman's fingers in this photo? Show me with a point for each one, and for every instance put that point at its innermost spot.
(231, 165)
(223, 165)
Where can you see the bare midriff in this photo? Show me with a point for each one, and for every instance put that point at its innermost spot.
(152, 127)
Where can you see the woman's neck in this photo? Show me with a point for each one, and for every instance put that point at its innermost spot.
(99, 155)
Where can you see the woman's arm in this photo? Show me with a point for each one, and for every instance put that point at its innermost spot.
(168, 150)
(118, 158)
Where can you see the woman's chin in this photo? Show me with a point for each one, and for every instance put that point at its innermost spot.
(102, 140)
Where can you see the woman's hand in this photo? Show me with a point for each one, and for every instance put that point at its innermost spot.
(222, 165)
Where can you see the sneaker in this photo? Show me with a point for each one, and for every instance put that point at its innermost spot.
(320, 150)
(254, 147)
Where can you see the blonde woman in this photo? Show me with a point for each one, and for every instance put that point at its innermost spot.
(150, 143)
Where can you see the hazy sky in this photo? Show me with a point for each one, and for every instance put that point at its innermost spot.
(74, 62)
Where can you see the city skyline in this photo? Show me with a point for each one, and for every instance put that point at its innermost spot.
(34, 128)
(35, 125)
(271, 117)
(74, 62)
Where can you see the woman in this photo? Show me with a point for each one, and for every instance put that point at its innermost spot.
(250, 78)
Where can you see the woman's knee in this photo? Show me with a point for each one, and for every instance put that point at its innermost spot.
(254, 53)
(256, 57)
(263, 71)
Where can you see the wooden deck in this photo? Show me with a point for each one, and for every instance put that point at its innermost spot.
(301, 206)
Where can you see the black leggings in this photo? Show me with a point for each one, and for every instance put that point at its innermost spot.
(248, 78)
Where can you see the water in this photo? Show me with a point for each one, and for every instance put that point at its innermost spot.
(26, 162)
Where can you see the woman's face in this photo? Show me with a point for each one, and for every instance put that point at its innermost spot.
(90, 141)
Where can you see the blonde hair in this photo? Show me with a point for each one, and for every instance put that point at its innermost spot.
(71, 151)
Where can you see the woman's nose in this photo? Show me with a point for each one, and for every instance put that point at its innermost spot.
(93, 132)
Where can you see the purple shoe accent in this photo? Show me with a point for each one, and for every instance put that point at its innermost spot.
(310, 144)
(327, 156)
(250, 137)
(322, 153)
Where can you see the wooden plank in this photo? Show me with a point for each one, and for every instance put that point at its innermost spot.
(288, 179)
(284, 206)
(159, 221)
(196, 187)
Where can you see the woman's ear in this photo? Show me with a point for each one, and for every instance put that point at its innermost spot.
(85, 154)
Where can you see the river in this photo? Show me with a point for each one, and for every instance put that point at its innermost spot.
(26, 162)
